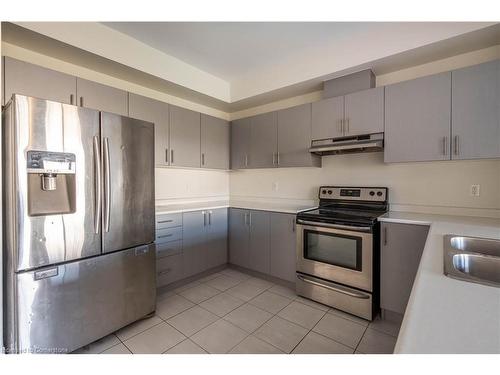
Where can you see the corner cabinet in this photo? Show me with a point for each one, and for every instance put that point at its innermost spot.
(240, 143)
(156, 112)
(32, 80)
(400, 252)
(417, 119)
(475, 118)
(215, 138)
(263, 141)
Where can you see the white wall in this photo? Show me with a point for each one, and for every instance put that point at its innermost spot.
(441, 187)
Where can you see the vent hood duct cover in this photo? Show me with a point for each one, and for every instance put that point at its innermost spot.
(358, 144)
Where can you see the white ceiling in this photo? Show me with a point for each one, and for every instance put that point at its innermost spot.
(236, 50)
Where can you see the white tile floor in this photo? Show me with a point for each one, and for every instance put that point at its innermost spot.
(232, 312)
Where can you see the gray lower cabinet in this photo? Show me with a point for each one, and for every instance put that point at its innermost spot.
(283, 240)
(239, 234)
(204, 240)
(101, 97)
(154, 111)
(417, 119)
(263, 141)
(215, 137)
(184, 137)
(364, 112)
(168, 243)
(32, 80)
(249, 232)
(401, 249)
(294, 138)
(327, 116)
(475, 120)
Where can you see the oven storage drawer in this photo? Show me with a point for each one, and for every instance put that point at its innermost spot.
(339, 296)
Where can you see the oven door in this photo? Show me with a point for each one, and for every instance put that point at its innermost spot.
(338, 253)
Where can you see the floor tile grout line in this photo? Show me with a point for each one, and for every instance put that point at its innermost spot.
(361, 339)
(147, 329)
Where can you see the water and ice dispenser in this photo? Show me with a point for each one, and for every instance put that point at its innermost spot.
(51, 183)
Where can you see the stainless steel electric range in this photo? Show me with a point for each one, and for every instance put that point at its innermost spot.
(338, 249)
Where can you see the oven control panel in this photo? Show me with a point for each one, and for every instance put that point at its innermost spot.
(375, 194)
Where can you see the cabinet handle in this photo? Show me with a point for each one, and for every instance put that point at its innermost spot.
(71, 98)
(209, 217)
(166, 155)
(293, 224)
(164, 272)
(204, 218)
(165, 221)
(246, 160)
(81, 101)
(385, 235)
(250, 219)
(274, 162)
(203, 159)
(172, 156)
(444, 142)
(340, 126)
(456, 142)
(348, 126)
(278, 157)
(245, 218)
(166, 235)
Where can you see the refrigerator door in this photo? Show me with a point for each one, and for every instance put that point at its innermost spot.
(62, 308)
(128, 167)
(38, 240)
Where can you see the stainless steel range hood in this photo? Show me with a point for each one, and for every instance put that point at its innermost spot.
(357, 144)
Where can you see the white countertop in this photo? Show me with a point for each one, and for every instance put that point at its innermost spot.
(289, 208)
(445, 315)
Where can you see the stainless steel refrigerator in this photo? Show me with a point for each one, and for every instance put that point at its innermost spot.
(78, 221)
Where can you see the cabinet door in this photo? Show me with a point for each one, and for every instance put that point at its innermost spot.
(417, 119)
(214, 142)
(239, 237)
(294, 138)
(101, 97)
(327, 116)
(240, 143)
(184, 137)
(364, 112)
(259, 254)
(216, 237)
(283, 246)
(156, 112)
(194, 242)
(32, 80)
(401, 250)
(475, 121)
(263, 141)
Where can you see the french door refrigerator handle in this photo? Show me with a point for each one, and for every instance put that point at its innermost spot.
(98, 185)
(107, 184)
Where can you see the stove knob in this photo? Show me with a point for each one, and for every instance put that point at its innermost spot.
(323, 192)
(379, 193)
(372, 193)
(329, 192)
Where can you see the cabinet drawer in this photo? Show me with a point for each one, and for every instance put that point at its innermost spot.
(168, 235)
(168, 221)
(168, 248)
(168, 270)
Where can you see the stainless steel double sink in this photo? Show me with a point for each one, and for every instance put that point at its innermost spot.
(472, 259)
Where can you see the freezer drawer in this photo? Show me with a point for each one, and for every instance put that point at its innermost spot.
(60, 309)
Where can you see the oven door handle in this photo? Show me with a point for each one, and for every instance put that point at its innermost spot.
(335, 226)
(338, 289)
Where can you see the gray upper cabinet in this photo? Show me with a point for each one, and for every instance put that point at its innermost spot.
(327, 116)
(239, 234)
(154, 111)
(263, 141)
(32, 80)
(417, 119)
(364, 112)
(184, 137)
(294, 138)
(215, 134)
(475, 106)
(259, 248)
(283, 246)
(101, 97)
(401, 250)
(240, 143)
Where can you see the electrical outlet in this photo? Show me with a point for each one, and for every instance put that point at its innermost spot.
(275, 186)
(475, 190)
